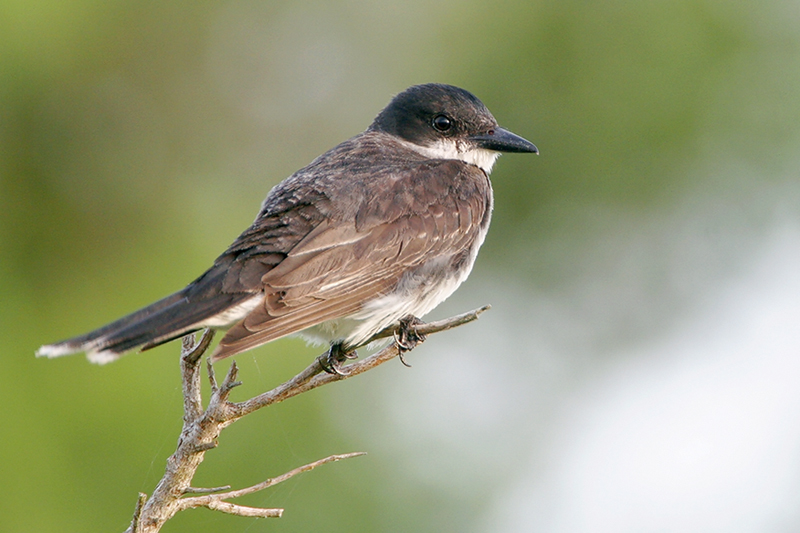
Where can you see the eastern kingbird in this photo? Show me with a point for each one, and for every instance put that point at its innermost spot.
(384, 226)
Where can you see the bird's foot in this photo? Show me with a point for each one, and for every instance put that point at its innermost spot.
(331, 361)
(407, 337)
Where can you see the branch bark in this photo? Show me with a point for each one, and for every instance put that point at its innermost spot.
(201, 428)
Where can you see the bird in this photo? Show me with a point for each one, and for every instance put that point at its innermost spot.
(374, 233)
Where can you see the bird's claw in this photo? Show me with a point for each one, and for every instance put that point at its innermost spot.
(331, 361)
(407, 337)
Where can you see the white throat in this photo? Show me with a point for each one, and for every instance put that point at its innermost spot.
(480, 157)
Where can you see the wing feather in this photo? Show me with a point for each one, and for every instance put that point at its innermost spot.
(339, 265)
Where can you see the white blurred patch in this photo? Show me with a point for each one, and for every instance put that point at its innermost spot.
(697, 432)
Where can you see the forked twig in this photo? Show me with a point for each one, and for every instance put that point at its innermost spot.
(213, 501)
(201, 428)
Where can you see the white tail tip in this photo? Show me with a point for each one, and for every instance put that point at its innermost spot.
(54, 350)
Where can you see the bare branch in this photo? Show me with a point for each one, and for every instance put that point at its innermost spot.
(242, 510)
(229, 383)
(201, 428)
(290, 474)
(137, 512)
(208, 501)
(191, 352)
(212, 377)
(202, 490)
(314, 375)
(437, 326)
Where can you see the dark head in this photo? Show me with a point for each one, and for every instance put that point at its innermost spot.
(445, 122)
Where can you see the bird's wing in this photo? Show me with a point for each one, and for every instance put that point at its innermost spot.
(406, 218)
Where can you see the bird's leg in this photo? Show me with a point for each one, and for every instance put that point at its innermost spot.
(332, 360)
(407, 337)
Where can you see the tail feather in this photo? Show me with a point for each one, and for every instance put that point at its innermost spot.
(160, 322)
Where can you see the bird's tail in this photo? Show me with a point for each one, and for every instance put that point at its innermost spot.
(160, 322)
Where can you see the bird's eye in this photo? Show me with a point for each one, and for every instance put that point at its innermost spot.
(442, 123)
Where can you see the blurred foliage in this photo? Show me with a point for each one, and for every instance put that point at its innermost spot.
(137, 139)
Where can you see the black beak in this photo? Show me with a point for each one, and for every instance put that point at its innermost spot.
(502, 140)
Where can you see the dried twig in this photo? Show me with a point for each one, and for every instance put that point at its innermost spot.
(214, 501)
(201, 428)
(314, 376)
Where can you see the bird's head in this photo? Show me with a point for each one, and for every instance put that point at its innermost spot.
(445, 122)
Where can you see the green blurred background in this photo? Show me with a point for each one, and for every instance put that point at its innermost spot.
(640, 370)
